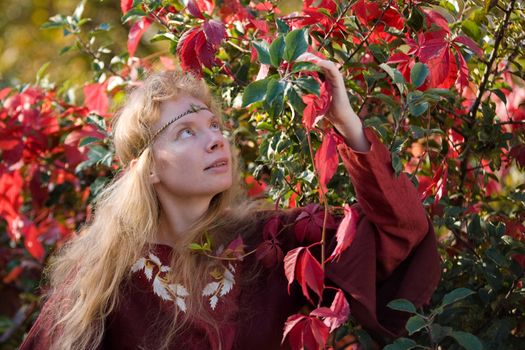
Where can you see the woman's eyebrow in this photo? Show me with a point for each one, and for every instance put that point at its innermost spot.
(189, 122)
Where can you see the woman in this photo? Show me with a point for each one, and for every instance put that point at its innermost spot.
(129, 281)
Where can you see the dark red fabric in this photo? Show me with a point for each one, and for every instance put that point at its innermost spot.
(394, 255)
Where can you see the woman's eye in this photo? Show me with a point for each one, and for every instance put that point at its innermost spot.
(186, 133)
(215, 126)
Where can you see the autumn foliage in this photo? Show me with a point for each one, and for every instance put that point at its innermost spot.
(441, 82)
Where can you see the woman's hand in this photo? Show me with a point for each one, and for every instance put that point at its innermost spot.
(340, 112)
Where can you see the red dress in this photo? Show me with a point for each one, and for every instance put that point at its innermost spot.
(393, 256)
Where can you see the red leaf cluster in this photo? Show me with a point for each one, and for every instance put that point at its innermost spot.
(301, 265)
(198, 46)
(337, 314)
(269, 252)
(322, 18)
(316, 106)
(305, 332)
(309, 223)
(369, 12)
(34, 162)
(440, 52)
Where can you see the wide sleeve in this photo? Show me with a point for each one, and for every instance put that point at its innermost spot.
(394, 253)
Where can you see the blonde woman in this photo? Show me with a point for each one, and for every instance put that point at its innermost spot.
(129, 280)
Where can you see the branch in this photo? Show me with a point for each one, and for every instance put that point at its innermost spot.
(365, 39)
(493, 55)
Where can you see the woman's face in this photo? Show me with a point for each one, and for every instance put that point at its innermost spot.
(191, 156)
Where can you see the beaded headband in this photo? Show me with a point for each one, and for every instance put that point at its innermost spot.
(193, 109)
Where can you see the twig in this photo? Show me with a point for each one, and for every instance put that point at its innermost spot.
(365, 39)
(493, 56)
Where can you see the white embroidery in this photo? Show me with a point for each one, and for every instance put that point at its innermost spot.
(161, 287)
(223, 283)
(221, 287)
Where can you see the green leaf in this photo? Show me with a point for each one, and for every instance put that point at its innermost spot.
(394, 74)
(41, 71)
(379, 53)
(401, 344)
(79, 10)
(416, 19)
(275, 97)
(277, 51)
(494, 255)
(97, 121)
(57, 21)
(87, 140)
(471, 29)
(254, 92)
(467, 340)
(309, 84)
(456, 295)
(263, 50)
(501, 95)
(132, 14)
(418, 74)
(397, 165)
(308, 66)
(282, 27)
(416, 104)
(402, 305)
(295, 100)
(295, 43)
(415, 323)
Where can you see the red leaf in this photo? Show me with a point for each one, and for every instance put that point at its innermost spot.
(305, 332)
(290, 263)
(300, 264)
(326, 161)
(346, 231)
(255, 188)
(214, 31)
(136, 32)
(310, 274)
(309, 223)
(518, 153)
(468, 42)
(204, 50)
(272, 227)
(291, 324)
(439, 67)
(316, 106)
(125, 5)
(436, 18)
(194, 9)
(96, 99)
(206, 6)
(32, 244)
(463, 76)
(186, 50)
(337, 314)
(235, 249)
(4, 92)
(269, 253)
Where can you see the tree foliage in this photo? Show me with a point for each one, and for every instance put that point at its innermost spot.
(441, 82)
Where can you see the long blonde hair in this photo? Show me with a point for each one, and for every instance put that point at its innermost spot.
(85, 275)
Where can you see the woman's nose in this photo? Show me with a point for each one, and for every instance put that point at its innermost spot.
(215, 141)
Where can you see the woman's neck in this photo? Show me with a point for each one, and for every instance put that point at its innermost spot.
(177, 217)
